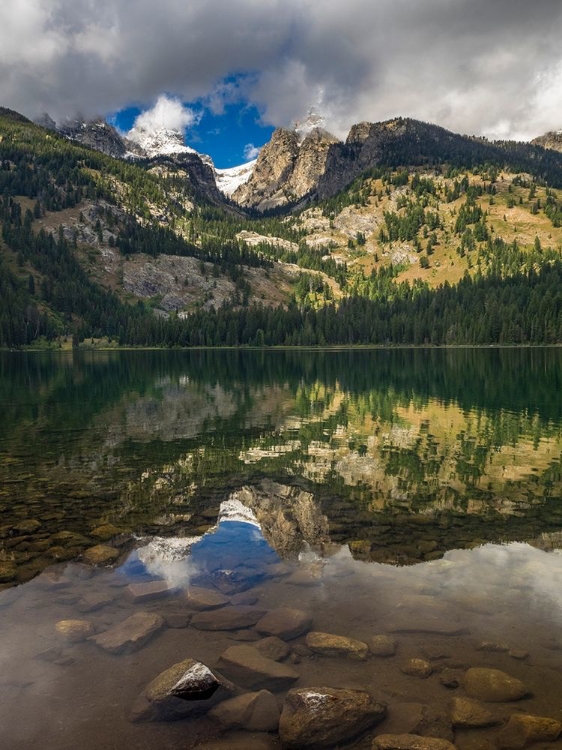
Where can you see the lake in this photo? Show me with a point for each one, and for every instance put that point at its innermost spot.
(409, 501)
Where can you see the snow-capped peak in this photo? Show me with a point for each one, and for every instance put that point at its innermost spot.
(228, 180)
(159, 141)
(312, 121)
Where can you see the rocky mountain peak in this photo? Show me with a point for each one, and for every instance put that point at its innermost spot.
(313, 121)
(551, 140)
(95, 133)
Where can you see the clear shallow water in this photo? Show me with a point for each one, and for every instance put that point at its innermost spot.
(398, 487)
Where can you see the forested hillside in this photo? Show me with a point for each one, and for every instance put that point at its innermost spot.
(422, 251)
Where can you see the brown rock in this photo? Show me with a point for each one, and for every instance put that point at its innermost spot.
(285, 623)
(523, 730)
(93, 602)
(144, 592)
(185, 689)
(177, 619)
(417, 668)
(327, 644)
(382, 645)
(131, 634)
(101, 554)
(228, 618)
(419, 719)
(205, 599)
(492, 685)
(466, 712)
(410, 742)
(256, 712)
(246, 597)
(323, 717)
(74, 631)
(245, 666)
(272, 648)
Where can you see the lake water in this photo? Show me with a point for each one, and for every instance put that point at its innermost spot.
(410, 493)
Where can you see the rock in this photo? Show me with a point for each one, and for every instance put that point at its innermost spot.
(246, 636)
(433, 625)
(327, 644)
(246, 597)
(417, 668)
(519, 654)
(470, 713)
(146, 591)
(105, 531)
(245, 666)
(177, 619)
(323, 717)
(492, 685)
(256, 712)
(205, 599)
(419, 719)
(382, 645)
(523, 730)
(450, 678)
(187, 688)
(130, 634)
(229, 618)
(93, 602)
(8, 572)
(410, 742)
(272, 648)
(434, 653)
(310, 576)
(285, 623)
(74, 631)
(101, 554)
(492, 647)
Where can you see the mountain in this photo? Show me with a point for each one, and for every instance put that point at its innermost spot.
(552, 140)
(394, 236)
(230, 179)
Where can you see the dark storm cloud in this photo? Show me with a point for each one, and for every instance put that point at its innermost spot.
(485, 66)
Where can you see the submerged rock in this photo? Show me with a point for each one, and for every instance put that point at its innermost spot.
(410, 742)
(285, 623)
(256, 712)
(74, 631)
(322, 717)
(492, 685)
(130, 634)
(242, 741)
(382, 645)
(418, 719)
(187, 688)
(227, 618)
(417, 668)
(245, 666)
(146, 591)
(523, 730)
(272, 648)
(101, 554)
(466, 712)
(327, 644)
(205, 599)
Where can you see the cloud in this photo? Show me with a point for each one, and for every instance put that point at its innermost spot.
(251, 151)
(478, 66)
(168, 112)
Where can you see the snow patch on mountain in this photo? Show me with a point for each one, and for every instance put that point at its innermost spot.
(228, 180)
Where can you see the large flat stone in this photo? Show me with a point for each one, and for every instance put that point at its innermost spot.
(229, 618)
(523, 730)
(130, 634)
(149, 590)
(256, 712)
(466, 712)
(285, 623)
(101, 554)
(245, 666)
(205, 599)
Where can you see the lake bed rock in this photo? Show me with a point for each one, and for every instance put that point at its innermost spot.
(148, 591)
(205, 599)
(74, 631)
(256, 712)
(245, 666)
(523, 730)
(185, 689)
(93, 602)
(101, 554)
(417, 668)
(492, 685)
(327, 644)
(272, 648)
(131, 634)
(285, 623)
(410, 742)
(227, 618)
(466, 712)
(318, 717)
(382, 645)
(419, 719)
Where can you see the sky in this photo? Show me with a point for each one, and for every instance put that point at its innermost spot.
(243, 67)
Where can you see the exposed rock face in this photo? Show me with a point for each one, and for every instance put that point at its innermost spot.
(96, 134)
(552, 140)
(492, 685)
(287, 169)
(185, 689)
(323, 717)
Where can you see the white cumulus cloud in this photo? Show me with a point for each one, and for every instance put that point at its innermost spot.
(251, 151)
(168, 112)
